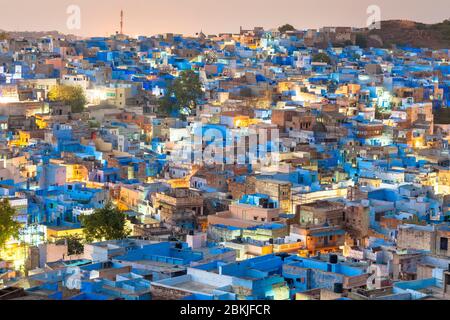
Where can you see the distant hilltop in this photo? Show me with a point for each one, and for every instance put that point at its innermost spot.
(392, 33)
(409, 33)
(36, 34)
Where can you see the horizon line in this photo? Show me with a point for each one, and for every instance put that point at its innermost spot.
(210, 34)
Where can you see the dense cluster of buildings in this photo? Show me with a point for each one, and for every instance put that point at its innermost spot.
(347, 197)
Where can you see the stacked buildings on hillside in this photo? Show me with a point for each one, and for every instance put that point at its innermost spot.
(306, 172)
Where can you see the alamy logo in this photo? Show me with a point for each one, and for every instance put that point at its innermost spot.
(374, 19)
(73, 281)
(74, 19)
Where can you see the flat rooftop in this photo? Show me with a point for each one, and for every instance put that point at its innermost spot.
(193, 286)
(158, 266)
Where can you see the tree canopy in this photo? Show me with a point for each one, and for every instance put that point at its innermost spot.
(107, 223)
(70, 95)
(321, 57)
(9, 227)
(442, 116)
(182, 95)
(74, 244)
(285, 28)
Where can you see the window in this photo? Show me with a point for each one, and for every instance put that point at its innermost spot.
(444, 244)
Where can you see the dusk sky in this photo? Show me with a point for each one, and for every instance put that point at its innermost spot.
(148, 17)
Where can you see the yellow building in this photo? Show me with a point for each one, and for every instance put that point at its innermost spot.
(22, 141)
(129, 198)
(28, 171)
(287, 247)
(244, 121)
(122, 206)
(15, 253)
(286, 86)
(76, 173)
(276, 190)
(444, 181)
(55, 233)
(179, 183)
(349, 89)
(40, 122)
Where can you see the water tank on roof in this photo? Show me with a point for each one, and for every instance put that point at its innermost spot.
(338, 288)
(283, 255)
(179, 245)
(264, 203)
(333, 259)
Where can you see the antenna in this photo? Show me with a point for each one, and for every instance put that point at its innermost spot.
(121, 21)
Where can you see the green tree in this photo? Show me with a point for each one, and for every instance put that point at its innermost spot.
(74, 244)
(321, 57)
(285, 28)
(94, 124)
(70, 95)
(107, 223)
(182, 95)
(9, 227)
(442, 116)
(381, 113)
